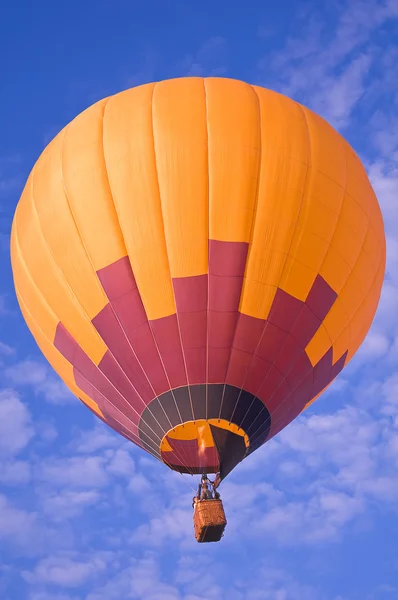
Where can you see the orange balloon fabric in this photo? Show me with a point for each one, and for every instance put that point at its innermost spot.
(198, 259)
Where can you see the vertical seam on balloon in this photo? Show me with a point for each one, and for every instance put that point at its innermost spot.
(305, 190)
(164, 229)
(141, 419)
(208, 249)
(365, 296)
(336, 226)
(148, 321)
(250, 246)
(256, 200)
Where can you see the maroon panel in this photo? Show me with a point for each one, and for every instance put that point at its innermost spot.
(248, 333)
(284, 310)
(303, 392)
(288, 355)
(224, 293)
(130, 311)
(271, 342)
(339, 365)
(282, 397)
(227, 259)
(277, 393)
(103, 387)
(218, 359)
(143, 342)
(114, 374)
(301, 368)
(256, 374)
(124, 327)
(113, 405)
(227, 262)
(114, 337)
(195, 359)
(91, 380)
(305, 326)
(193, 329)
(117, 279)
(221, 328)
(191, 301)
(238, 366)
(270, 384)
(167, 337)
(71, 350)
(321, 298)
(187, 452)
(324, 367)
(190, 293)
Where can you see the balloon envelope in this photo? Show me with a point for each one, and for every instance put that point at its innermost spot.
(198, 259)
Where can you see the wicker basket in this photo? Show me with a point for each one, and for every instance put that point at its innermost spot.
(209, 521)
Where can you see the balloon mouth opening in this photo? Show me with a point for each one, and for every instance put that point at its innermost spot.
(192, 447)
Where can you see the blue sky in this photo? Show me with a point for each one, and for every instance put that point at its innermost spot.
(312, 515)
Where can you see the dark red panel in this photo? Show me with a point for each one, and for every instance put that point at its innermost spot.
(224, 293)
(130, 311)
(321, 298)
(117, 279)
(257, 372)
(110, 403)
(284, 310)
(142, 340)
(339, 365)
(288, 355)
(129, 388)
(237, 369)
(190, 293)
(124, 327)
(300, 369)
(270, 384)
(167, 337)
(191, 301)
(195, 359)
(248, 333)
(221, 328)
(305, 326)
(218, 364)
(271, 342)
(303, 392)
(193, 329)
(227, 259)
(119, 346)
(324, 367)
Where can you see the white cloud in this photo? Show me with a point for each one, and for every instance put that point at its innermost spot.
(15, 472)
(77, 472)
(16, 428)
(98, 438)
(6, 350)
(41, 378)
(68, 504)
(17, 526)
(327, 63)
(120, 463)
(65, 571)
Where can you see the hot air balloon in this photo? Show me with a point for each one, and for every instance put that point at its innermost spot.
(198, 259)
